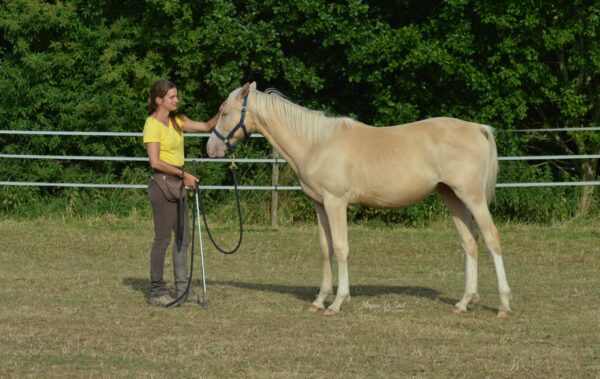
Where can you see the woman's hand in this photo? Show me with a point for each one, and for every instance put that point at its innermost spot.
(189, 180)
(200, 126)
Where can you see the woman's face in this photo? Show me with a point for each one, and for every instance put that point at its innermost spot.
(170, 101)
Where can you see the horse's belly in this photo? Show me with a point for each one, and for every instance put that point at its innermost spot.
(392, 196)
(384, 179)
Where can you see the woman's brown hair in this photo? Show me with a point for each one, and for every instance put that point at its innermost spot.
(160, 89)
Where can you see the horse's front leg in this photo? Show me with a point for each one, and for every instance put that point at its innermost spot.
(336, 209)
(326, 288)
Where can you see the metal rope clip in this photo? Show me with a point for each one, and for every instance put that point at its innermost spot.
(232, 165)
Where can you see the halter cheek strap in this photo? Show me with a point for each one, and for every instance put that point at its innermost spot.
(240, 125)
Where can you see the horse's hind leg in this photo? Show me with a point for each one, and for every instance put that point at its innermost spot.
(326, 288)
(492, 240)
(481, 213)
(468, 239)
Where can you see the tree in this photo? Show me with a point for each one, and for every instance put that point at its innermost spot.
(76, 65)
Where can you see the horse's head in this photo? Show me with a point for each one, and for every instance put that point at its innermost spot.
(233, 125)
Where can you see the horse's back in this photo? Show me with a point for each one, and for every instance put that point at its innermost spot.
(424, 139)
(436, 126)
(398, 165)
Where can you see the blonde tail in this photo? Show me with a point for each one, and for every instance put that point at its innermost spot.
(492, 166)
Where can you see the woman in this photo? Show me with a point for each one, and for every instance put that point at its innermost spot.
(163, 137)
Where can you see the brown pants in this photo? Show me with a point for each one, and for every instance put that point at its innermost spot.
(164, 214)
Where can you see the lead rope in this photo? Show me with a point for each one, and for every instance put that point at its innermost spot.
(181, 298)
(232, 167)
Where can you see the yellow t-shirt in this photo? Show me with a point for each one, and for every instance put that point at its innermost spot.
(171, 142)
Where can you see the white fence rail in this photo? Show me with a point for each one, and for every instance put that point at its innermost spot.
(254, 160)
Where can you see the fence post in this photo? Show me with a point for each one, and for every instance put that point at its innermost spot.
(274, 193)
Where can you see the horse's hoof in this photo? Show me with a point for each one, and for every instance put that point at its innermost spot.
(457, 310)
(314, 309)
(503, 314)
(330, 312)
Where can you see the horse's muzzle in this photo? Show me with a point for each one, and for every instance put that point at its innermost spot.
(215, 148)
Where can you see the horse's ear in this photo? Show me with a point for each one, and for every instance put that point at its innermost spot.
(245, 90)
(253, 86)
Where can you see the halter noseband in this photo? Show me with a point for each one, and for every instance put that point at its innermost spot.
(240, 125)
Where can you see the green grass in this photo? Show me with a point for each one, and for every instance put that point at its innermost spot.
(73, 304)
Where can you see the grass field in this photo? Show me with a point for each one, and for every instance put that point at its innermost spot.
(73, 304)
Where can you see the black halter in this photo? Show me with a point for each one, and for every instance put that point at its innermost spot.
(240, 125)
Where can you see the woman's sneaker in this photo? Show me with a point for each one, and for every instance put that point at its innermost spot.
(160, 301)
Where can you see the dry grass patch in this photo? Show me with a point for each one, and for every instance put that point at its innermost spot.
(73, 305)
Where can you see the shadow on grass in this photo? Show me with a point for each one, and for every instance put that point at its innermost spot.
(308, 293)
(138, 284)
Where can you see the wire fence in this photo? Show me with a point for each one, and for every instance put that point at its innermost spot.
(275, 162)
(271, 189)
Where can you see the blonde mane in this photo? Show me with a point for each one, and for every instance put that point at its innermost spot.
(312, 126)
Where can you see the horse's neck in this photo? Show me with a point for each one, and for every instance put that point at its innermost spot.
(285, 141)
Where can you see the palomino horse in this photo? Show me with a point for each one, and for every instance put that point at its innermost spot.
(340, 161)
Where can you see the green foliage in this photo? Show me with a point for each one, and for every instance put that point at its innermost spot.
(541, 204)
(87, 66)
